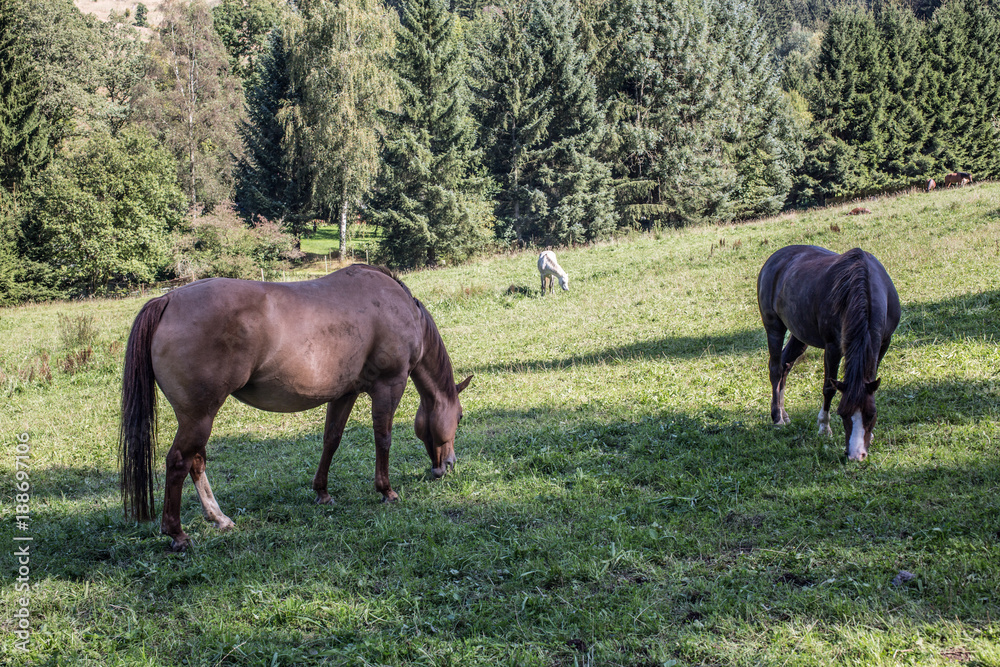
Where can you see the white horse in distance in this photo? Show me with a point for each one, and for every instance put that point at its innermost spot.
(549, 267)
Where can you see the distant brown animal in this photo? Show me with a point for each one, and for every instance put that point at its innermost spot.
(859, 211)
(930, 185)
(959, 178)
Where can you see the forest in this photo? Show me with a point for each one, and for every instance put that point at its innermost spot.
(211, 142)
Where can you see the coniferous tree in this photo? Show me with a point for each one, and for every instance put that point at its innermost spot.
(433, 205)
(265, 180)
(845, 103)
(578, 184)
(761, 137)
(964, 89)
(902, 162)
(541, 127)
(701, 129)
(24, 133)
(514, 115)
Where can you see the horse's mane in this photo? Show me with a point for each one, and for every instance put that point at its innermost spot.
(441, 372)
(852, 301)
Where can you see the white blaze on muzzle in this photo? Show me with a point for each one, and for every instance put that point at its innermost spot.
(856, 450)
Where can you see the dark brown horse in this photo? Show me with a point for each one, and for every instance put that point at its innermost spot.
(283, 348)
(845, 305)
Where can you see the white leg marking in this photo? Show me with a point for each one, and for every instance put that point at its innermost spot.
(210, 506)
(856, 447)
(824, 422)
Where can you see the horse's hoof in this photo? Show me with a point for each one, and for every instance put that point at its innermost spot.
(178, 545)
(826, 430)
(225, 523)
(390, 497)
(324, 499)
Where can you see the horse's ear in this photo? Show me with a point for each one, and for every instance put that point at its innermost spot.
(463, 384)
(873, 386)
(841, 387)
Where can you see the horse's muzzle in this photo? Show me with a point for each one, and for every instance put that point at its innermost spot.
(449, 464)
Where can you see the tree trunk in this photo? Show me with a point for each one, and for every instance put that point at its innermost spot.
(343, 229)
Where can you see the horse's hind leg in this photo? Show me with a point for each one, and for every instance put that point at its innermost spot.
(189, 444)
(209, 506)
(337, 413)
(793, 351)
(776, 330)
(831, 366)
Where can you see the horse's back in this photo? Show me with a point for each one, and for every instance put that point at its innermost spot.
(794, 264)
(285, 346)
(797, 286)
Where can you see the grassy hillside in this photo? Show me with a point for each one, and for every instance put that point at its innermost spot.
(620, 496)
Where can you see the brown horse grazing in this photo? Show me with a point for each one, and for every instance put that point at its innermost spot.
(930, 185)
(847, 306)
(959, 178)
(283, 348)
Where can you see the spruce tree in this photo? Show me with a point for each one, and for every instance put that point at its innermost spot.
(578, 184)
(761, 138)
(902, 162)
(265, 182)
(24, 133)
(847, 107)
(514, 116)
(432, 206)
(701, 130)
(964, 89)
(541, 127)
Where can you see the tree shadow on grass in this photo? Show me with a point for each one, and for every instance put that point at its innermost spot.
(973, 315)
(957, 318)
(682, 515)
(679, 347)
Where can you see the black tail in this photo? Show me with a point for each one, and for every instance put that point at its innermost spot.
(137, 431)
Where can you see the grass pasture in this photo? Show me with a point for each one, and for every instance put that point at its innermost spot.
(620, 496)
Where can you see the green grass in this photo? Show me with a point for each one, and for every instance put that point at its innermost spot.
(620, 496)
(325, 242)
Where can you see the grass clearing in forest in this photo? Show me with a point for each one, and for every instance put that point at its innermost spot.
(620, 496)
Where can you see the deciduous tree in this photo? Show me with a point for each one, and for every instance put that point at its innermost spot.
(341, 79)
(103, 211)
(191, 102)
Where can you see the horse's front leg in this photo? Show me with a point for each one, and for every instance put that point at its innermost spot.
(831, 366)
(385, 400)
(337, 413)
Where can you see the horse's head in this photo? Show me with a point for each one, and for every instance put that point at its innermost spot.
(564, 281)
(436, 427)
(859, 419)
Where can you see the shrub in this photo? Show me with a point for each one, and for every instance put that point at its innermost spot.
(220, 244)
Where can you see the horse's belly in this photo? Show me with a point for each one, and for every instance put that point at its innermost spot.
(278, 399)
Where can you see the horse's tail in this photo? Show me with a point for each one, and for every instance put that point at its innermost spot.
(137, 430)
